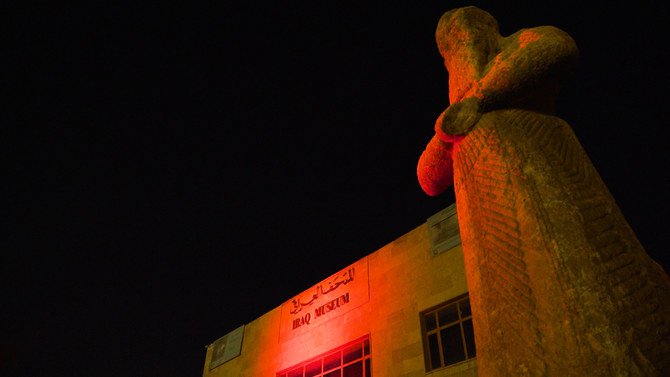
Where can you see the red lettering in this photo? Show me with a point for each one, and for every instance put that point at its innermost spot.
(302, 321)
(332, 305)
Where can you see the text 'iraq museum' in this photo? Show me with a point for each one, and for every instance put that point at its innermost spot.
(558, 283)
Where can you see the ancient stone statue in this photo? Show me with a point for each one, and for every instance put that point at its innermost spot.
(559, 283)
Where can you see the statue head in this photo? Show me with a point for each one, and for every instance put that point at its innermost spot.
(467, 38)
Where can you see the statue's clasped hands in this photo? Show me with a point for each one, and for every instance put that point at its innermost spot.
(458, 119)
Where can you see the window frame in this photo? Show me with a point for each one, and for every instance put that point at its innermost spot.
(365, 359)
(425, 333)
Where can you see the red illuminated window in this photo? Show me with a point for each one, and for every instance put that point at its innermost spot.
(349, 360)
(448, 337)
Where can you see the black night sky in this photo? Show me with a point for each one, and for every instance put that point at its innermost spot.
(176, 170)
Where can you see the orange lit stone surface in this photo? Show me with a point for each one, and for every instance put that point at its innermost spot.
(559, 283)
(390, 287)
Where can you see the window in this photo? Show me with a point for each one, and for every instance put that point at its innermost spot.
(448, 337)
(443, 230)
(349, 360)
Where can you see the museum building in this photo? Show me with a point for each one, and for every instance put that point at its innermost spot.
(400, 311)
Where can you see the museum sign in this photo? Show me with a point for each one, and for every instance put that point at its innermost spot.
(330, 298)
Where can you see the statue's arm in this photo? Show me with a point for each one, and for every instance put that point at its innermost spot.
(526, 73)
(530, 66)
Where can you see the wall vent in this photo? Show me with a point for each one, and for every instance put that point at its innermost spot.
(443, 230)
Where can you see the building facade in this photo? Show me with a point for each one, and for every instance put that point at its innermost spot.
(400, 311)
